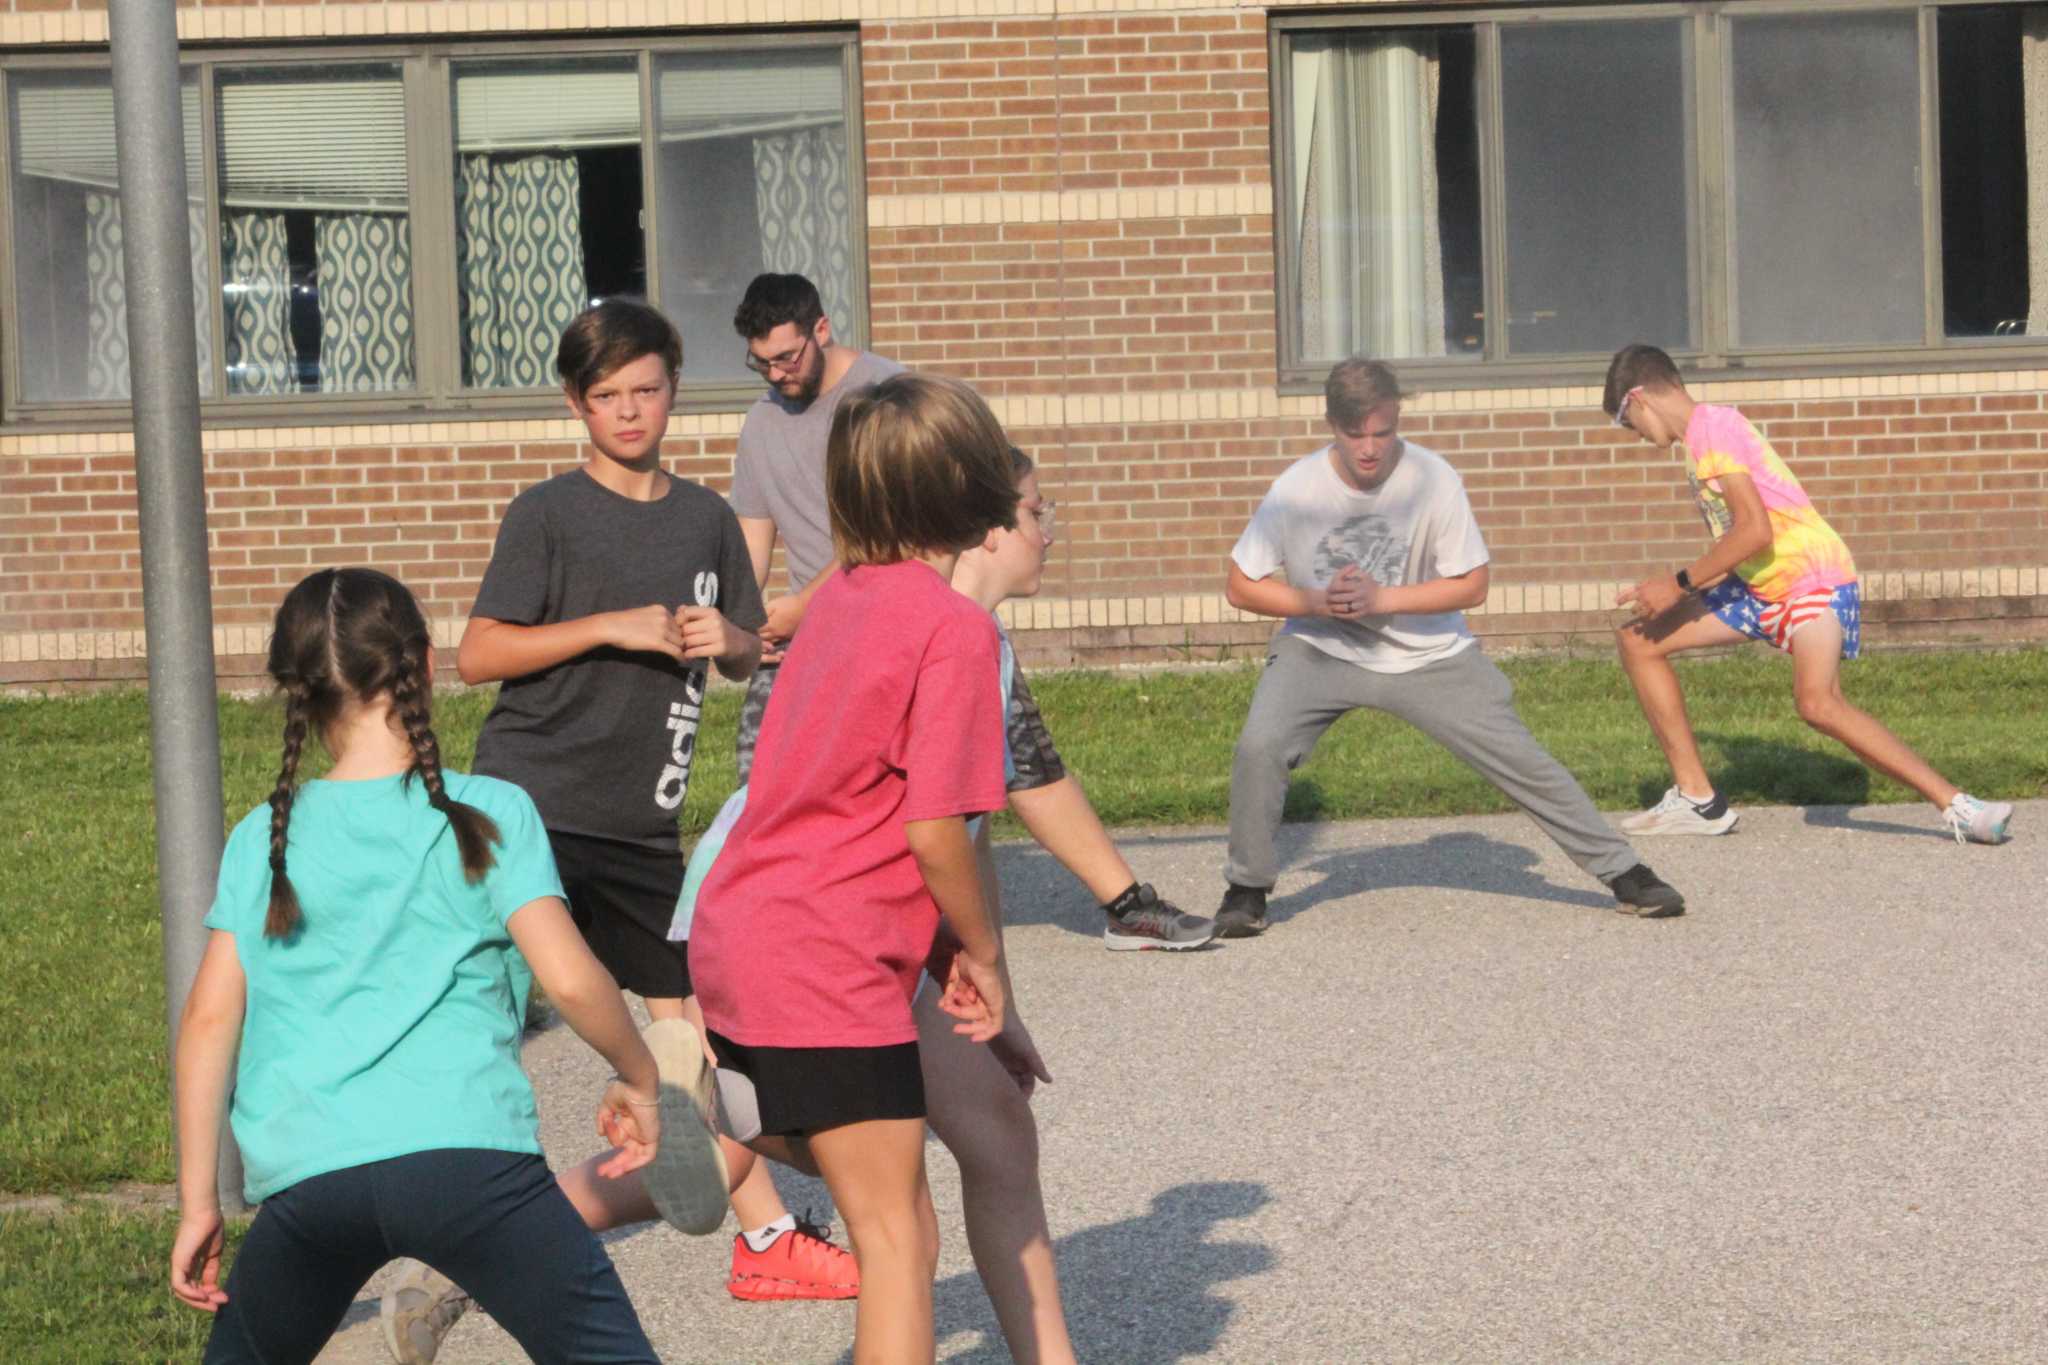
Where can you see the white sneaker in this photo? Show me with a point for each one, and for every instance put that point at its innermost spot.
(1678, 813)
(1977, 822)
(417, 1311)
(687, 1178)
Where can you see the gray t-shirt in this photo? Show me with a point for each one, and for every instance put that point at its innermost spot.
(779, 472)
(603, 742)
(1416, 526)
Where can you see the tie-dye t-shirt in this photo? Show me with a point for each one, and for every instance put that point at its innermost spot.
(1805, 552)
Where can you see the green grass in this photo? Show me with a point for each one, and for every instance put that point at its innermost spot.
(93, 1284)
(83, 1080)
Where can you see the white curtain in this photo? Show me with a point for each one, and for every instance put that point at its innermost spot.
(1369, 262)
(2034, 85)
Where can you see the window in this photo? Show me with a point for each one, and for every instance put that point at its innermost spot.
(1518, 193)
(414, 227)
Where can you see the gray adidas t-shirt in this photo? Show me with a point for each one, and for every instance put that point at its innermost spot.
(603, 741)
(779, 472)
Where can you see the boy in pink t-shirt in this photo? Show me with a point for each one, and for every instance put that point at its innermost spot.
(1776, 572)
(884, 734)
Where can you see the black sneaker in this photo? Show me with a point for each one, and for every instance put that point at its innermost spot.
(1243, 914)
(1149, 922)
(1643, 893)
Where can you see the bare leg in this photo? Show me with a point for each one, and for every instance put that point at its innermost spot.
(875, 1171)
(1646, 657)
(983, 1118)
(1817, 687)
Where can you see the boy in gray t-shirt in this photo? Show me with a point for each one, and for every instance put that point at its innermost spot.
(610, 590)
(1370, 551)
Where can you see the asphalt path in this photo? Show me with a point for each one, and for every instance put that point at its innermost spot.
(1452, 1107)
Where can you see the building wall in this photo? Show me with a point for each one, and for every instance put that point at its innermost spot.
(1073, 210)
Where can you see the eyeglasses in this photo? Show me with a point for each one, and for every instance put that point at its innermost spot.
(786, 362)
(1044, 516)
(1621, 409)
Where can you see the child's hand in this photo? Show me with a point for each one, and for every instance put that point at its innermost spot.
(974, 994)
(651, 629)
(1652, 596)
(706, 634)
(629, 1119)
(1014, 1048)
(195, 1260)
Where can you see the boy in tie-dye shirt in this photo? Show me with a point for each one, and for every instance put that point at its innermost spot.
(1776, 572)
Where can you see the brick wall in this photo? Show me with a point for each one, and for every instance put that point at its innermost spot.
(1073, 212)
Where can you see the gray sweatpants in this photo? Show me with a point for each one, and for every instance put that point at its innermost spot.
(1463, 703)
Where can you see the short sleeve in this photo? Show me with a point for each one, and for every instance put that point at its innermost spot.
(515, 586)
(748, 497)
(1033, 761)
(1731, 446)
(1261, 551)
(524, 870)
(1458, 547)
(953, 735)
(739, 596)
(241, 896)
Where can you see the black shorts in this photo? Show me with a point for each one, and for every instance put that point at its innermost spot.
(804, 1090)
(623, 897)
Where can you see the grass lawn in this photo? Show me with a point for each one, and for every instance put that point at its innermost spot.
(82, 1082)
(93, 1284)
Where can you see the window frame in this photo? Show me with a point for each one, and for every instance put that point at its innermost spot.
(1710, 122)
(427, 71)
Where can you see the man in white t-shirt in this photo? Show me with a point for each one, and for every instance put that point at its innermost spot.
(1369, 551)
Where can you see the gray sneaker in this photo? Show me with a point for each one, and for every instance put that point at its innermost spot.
(1149, 922)
(418, 1309)
(687, 1178)
(1678, 813)
(1977, 822)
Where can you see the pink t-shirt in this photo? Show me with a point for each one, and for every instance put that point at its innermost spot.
(815, 921)
(1805, 552)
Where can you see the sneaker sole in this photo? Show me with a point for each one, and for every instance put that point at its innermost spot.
(1242, 930)
(1652, 911)
(1681, 825)
(687, 1179)
(784, 1291)
(1132, 943)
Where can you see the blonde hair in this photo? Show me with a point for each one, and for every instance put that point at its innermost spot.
(916, 465)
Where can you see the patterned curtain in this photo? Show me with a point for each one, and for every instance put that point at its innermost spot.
(519, 254)
(363, 268)
(256, 304)
(106, 364)
(801, 197)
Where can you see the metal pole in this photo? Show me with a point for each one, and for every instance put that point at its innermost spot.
(177, 605)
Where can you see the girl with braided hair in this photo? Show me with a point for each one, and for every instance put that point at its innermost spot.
(362, 997)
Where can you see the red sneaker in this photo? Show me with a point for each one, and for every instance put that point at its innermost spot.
(799, 1264)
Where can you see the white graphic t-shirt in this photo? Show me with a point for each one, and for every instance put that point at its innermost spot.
(1415, 527)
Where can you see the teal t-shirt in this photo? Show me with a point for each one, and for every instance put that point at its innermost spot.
(388, 1023)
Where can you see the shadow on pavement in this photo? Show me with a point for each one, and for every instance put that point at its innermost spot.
(1135, 1291)
(1459, 860)
(1770, 772)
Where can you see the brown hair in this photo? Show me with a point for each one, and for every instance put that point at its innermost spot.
(1637, 365)
(772, 300)
(916, 464)
(1355, 387)
(354, 634)
(612, 335)
(1020, 463)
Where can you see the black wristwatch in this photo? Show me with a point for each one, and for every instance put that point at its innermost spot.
(1685, 583)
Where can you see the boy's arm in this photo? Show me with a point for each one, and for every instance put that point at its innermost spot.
(707, 634)
(1273, 595)
(1460, 592)
(493, 651)
(1063, 822)
(1749, 536)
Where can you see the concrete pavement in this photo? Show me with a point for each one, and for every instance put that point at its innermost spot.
(1452, 1107)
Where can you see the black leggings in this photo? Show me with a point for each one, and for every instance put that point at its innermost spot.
(494, 1222)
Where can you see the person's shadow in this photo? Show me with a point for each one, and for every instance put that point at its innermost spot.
(1827, 786)
(1134, 1291)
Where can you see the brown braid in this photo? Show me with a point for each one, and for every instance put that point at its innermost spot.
(284, 901)
(475, 831)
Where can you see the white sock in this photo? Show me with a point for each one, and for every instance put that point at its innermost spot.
(760, 1239)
